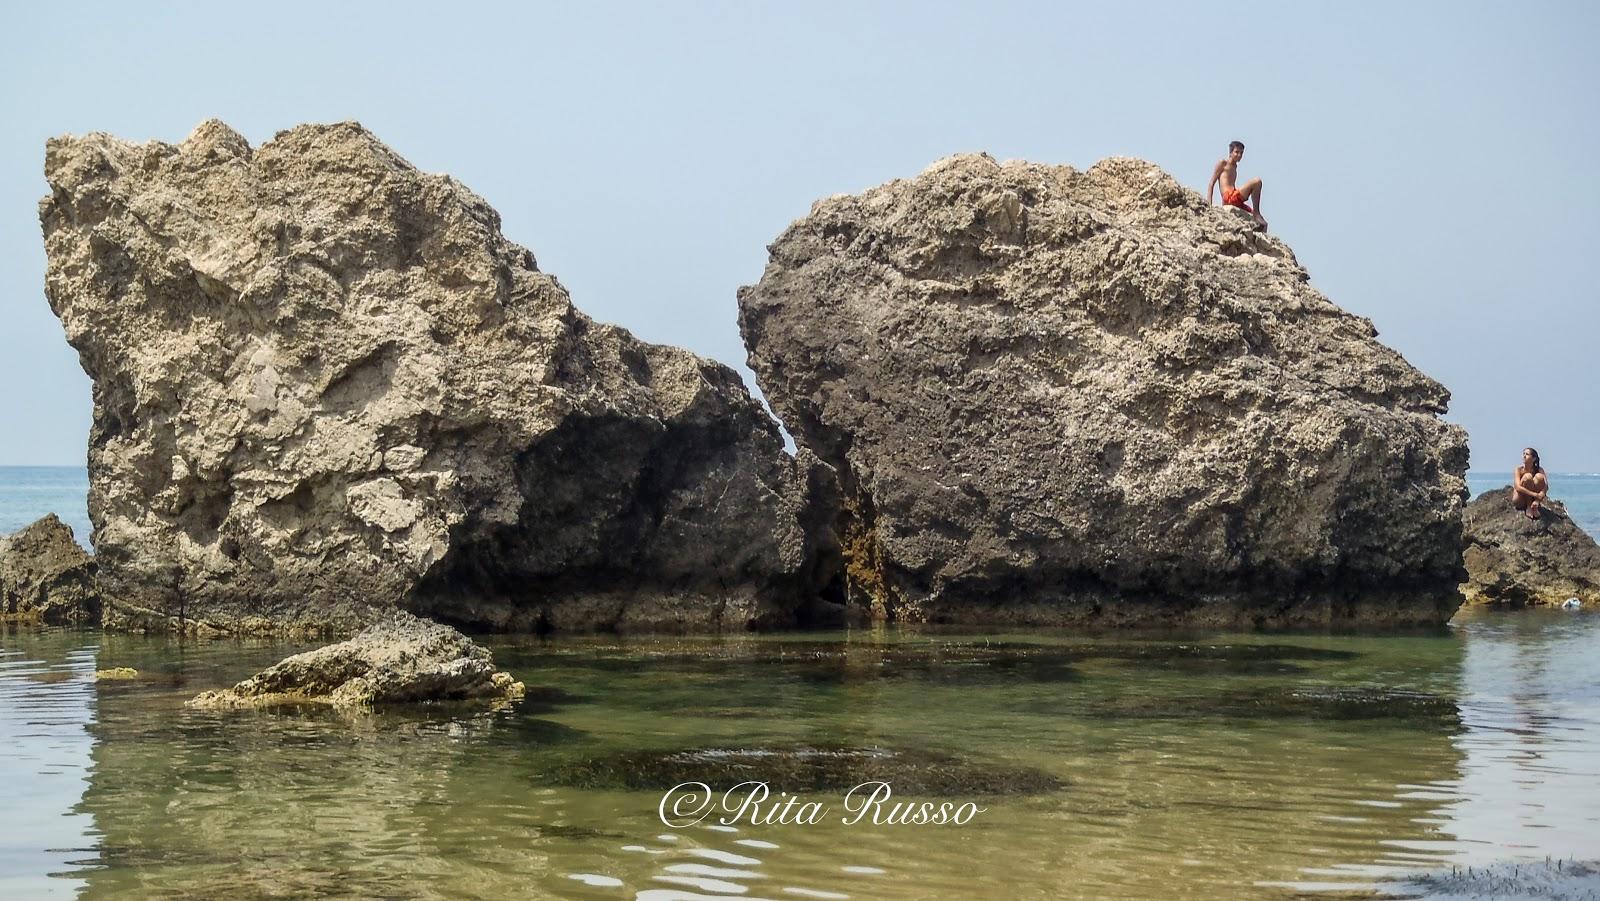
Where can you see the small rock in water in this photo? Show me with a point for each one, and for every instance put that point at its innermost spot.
(115, 673)
(1514, 561)
(399, 659)
(46, 577)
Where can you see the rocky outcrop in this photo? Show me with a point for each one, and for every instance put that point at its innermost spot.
(1056, 396)
(46, 577)
(1517, 561)
(399, 659)
(325, 384)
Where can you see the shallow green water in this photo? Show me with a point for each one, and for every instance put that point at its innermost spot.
(1188, 766)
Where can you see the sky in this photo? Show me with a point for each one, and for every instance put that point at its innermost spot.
(1431, 164)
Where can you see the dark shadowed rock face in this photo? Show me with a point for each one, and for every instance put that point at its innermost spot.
(1518, 561)
(325, 384)
(1059, 396)
(46, 577)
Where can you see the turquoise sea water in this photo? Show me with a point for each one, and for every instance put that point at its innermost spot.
(1458, 762)
(29, 492)
(1127, 766)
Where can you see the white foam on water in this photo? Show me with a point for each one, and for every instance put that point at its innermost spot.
(596, 880)
(865, 871)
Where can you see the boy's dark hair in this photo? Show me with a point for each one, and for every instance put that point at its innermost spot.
(1235, 145)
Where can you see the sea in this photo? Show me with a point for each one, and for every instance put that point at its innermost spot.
(29, 492)
(1457, 762)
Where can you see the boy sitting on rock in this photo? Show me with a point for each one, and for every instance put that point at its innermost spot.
(1227, 171)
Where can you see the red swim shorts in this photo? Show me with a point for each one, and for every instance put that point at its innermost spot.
(1232, 197)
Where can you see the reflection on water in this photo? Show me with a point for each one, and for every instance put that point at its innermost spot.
(47, 698)
(1530, 779)
(1194, 766)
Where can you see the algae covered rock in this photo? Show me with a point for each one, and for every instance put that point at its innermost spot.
(399, 659)
(1518, 561)
(46, 576)
(805, 768)
(325, 384)
(1062, 396)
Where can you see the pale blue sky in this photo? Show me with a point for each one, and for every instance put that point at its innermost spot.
(1432, 164)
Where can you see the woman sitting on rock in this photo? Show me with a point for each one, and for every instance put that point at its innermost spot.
(1529, 486)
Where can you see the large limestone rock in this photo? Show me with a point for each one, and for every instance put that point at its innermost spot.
(1059, 396)
(399, 659)
(325, 384)
(46, 577)
(1517, 561)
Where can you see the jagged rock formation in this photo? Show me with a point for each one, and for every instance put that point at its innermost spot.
(325, 384)
(1056, 396)
(398, 659)
(1517, 561)
(46, 577)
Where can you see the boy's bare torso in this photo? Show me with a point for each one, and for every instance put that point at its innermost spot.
(1230, 173)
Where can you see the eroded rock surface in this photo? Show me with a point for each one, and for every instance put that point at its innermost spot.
(1518, 561)
(1056, 396)
(46, 576)
(399, 659)
(325, 384)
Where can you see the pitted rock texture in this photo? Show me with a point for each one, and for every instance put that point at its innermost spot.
(45, 576)
(1056, 396)
(399, 659)
(1518, 562)
(325, 384)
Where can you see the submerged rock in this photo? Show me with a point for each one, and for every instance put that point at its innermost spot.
(1056, 397)
(46, 576)
(805, 768)
(399, 659)
(1331, 705)
(325, 384)
(1503, 879)
(1518, 561)
(116, 674)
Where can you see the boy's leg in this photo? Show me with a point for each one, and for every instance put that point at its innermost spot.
(1252, 193)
